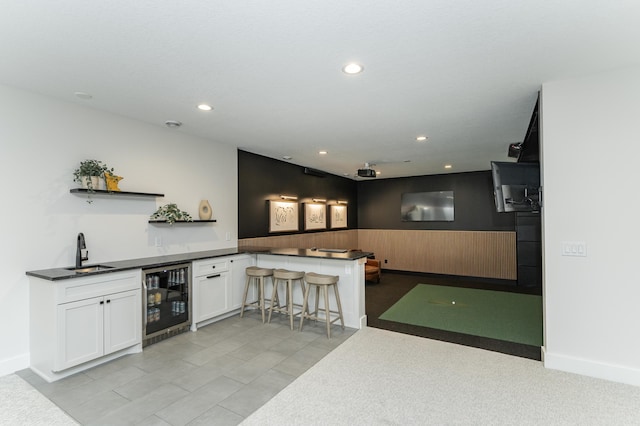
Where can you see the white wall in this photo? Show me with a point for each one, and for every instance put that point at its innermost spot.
(41, 142)
(591, 178)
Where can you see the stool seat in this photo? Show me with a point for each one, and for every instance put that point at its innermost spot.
(324, 281)
(255, 271)
(319, 279)
(288, 277)
(284, 274)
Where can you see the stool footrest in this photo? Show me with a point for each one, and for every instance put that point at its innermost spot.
(284, 309)
(315, 317)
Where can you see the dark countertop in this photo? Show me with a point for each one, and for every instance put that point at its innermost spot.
(55, 274)
(319, 253)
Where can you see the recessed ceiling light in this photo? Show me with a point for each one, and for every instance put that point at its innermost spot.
(421, 138)
(352, 68)
(322, 152)
(447, 166)
(287, 157)
(83, 95)
(205, 107)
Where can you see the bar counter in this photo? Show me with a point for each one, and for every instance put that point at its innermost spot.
(348, 265)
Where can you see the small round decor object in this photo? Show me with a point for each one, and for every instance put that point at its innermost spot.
(204, 210)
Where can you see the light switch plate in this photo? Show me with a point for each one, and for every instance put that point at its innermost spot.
(574, 248)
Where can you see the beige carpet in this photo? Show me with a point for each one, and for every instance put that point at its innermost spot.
(21, 404)
(378, 377)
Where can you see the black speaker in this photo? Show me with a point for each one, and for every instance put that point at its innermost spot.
(314, 172)
(514, 150)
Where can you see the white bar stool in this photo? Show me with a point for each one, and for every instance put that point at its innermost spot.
(324, 281)
(256, 275)
(288, 277)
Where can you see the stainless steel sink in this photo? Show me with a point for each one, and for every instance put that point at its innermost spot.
(87, 269)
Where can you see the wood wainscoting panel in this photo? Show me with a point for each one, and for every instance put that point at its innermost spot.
(487, 254)
(345, 239)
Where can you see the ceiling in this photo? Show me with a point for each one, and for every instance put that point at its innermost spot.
(464, 73)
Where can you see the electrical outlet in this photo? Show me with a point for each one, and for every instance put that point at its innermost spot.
(158, 241)
(228, 236)
(386, 261)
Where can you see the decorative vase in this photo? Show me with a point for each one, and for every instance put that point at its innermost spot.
(204, 210)
(94, 182)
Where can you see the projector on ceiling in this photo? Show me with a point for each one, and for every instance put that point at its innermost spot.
(368, 173)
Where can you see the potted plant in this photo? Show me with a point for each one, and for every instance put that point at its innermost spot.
(89, 173)
(172, 214)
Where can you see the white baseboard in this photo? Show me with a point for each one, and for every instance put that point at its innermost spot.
(363, 321)
(586, 367)
(11, 365)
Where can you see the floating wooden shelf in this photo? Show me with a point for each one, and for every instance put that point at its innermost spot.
(183, 221)
(84, 191)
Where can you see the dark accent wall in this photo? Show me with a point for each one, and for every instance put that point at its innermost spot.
(373, 204)
(261, 179)
(474, 207)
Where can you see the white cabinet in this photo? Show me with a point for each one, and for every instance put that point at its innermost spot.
(210, 297)
(80, 332)
(123, 326)
(91, 328)
(238, 277)
(218, 287)
(79, 323)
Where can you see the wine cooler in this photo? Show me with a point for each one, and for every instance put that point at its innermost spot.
(166, 302)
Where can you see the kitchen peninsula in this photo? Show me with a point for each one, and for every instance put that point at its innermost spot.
(80, 320)
(348, 265)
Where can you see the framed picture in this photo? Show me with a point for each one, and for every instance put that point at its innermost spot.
(338, 216)
(315, 216)
(283, 216)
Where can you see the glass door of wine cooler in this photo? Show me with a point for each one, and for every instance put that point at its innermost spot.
(166, 302)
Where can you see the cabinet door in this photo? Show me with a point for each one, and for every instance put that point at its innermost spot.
(210, 297)
(80, 332)
(238, 278)
(122, 320)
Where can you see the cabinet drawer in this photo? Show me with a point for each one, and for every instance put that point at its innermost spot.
(210, 266)
(210, 296)
(97, 285)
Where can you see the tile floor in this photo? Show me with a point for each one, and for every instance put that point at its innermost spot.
(216, 376)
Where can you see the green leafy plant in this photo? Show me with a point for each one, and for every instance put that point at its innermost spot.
(90, 168)
(172, 214)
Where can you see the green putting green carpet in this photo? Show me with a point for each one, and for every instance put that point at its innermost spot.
(499, 315)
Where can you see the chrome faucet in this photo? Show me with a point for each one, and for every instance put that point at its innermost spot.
(81, 251)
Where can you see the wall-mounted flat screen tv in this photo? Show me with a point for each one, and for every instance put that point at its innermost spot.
(516, 186)
(427, 206)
